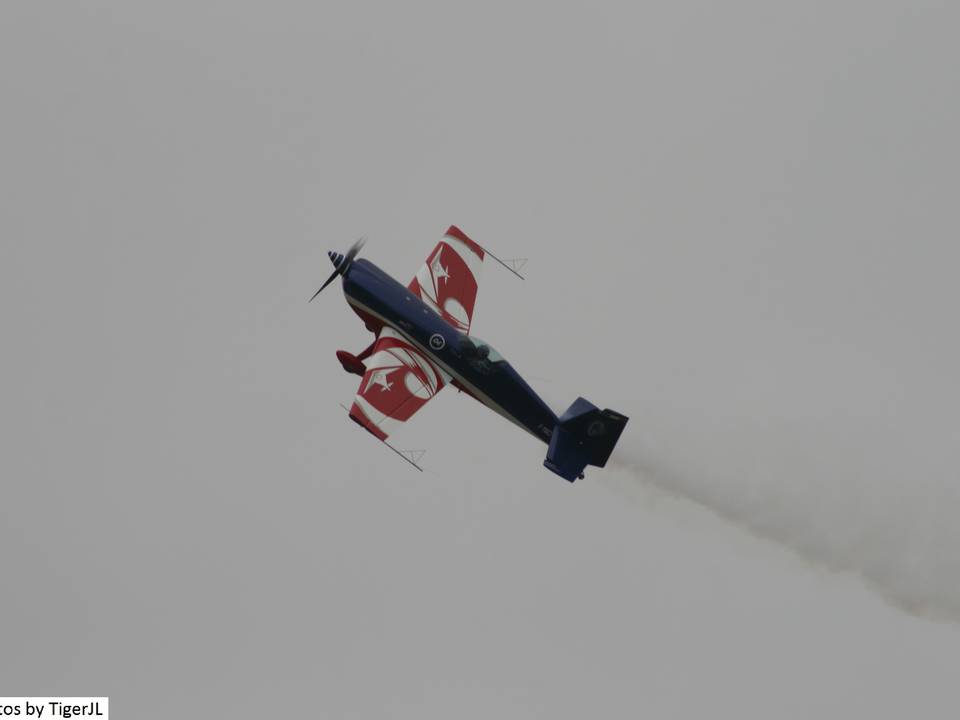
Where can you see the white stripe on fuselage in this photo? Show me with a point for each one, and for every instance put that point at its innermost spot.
(481, 396)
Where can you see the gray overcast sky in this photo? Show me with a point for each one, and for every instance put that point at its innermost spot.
(742, 225)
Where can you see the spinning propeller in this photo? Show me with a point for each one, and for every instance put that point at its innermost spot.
(341, 263)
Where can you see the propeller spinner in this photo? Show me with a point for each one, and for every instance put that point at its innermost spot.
(341, 263)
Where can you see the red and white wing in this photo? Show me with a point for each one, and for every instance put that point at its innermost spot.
(398, 382)
(447, 282)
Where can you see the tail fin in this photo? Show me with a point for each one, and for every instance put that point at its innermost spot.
(584, 435)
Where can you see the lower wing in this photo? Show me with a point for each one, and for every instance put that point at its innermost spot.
(399, 381)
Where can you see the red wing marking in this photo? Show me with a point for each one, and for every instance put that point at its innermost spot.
(447, 281)
(399, 381)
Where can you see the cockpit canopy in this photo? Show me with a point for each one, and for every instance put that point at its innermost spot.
(479, 351)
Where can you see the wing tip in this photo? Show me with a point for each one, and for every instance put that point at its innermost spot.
(360, 418)
(455, 232)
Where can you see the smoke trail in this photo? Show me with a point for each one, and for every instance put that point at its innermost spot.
(903, 540)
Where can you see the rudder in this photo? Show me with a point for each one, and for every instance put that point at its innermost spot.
(584, 435)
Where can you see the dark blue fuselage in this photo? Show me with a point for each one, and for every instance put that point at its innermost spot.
(474, 366)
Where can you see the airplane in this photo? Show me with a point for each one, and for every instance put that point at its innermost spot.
(423, 343)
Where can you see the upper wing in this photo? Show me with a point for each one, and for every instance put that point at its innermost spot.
(447, 281)
(398, 382)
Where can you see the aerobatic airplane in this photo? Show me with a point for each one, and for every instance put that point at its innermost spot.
(423, 343)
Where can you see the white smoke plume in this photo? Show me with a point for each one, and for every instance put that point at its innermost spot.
(901, 535)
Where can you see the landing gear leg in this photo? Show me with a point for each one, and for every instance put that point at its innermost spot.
(354, 363)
